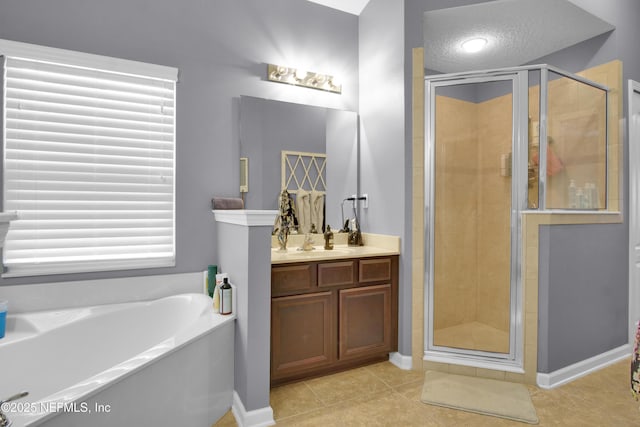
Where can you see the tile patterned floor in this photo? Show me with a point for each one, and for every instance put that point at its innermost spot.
(383, 395)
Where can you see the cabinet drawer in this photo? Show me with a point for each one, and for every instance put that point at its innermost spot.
(292, 279)
(336, 273)
(374, 270)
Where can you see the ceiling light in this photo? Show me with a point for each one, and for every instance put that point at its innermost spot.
(474, 45)
(300, 77)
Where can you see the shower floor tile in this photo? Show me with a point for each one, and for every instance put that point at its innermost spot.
(473, 336)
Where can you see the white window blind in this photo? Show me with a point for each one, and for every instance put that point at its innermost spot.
(89, 166)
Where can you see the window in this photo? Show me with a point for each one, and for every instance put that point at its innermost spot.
(89, 162)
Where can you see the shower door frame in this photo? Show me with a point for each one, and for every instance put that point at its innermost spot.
(512, 361)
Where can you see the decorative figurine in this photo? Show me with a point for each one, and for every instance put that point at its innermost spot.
(286, 220)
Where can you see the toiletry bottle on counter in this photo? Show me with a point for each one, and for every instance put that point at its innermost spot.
(216, 300)
(328, 238)
(225, 297)
(4, 304)
(212, 270)
(216, 295)
(573, 197)
(580, 200)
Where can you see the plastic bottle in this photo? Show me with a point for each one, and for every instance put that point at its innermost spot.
(3, 316)
(573, 198)
(580, 201)
(212, 270)
(216, 295)
(216, 300)
(596, 196)
(225, 297)
(588, 196)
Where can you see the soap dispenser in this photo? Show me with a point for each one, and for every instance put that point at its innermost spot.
(328, 238)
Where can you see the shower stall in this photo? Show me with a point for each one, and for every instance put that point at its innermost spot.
(500, 143)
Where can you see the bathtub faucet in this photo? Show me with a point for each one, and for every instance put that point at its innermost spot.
(4, 421)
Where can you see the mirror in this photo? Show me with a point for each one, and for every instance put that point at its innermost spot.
(268, 127)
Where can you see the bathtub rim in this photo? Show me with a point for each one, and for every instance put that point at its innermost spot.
(204, 325)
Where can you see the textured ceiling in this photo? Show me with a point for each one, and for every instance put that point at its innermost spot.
(351, 6)
(518, 32)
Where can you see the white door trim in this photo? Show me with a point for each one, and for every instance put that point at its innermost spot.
(634, 207)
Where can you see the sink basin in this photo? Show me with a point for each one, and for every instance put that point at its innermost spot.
(316, 250)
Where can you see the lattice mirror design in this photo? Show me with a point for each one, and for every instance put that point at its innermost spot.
(303, 171)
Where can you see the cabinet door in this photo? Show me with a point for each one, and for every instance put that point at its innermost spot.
(365, 321)
(302, 333)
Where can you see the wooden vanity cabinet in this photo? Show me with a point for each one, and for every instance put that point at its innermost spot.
(328, 316)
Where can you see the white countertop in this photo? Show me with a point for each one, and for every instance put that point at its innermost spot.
(380, 245)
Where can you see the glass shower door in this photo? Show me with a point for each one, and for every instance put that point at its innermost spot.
(470, 296)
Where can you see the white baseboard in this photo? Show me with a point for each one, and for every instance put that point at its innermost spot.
(262, 417)
(585, 367)
(401, 361)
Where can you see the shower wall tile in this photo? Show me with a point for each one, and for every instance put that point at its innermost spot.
(462, 370)
(455, 268)
(418, 261)
(494, 246)
(490, 373)
(435, 366)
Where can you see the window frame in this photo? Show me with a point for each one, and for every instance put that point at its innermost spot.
(103, 64)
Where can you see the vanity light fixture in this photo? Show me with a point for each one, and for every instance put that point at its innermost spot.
(474, 45)
(299, 77)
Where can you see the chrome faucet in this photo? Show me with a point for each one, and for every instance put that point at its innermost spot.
(4, 421)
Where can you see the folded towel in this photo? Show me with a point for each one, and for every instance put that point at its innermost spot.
(303, 209)
(317, 209)
(226, 203)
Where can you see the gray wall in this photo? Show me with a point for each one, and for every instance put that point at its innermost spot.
(571, 338)
(382, 149)
(221, 48)
(583, 300)
(342, 164)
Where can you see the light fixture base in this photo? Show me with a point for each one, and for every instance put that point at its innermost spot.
(308, 79)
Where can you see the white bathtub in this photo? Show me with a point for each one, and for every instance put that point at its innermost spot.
(167, 362)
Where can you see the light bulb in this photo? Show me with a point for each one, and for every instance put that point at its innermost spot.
(300, 74)
(474, 45)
